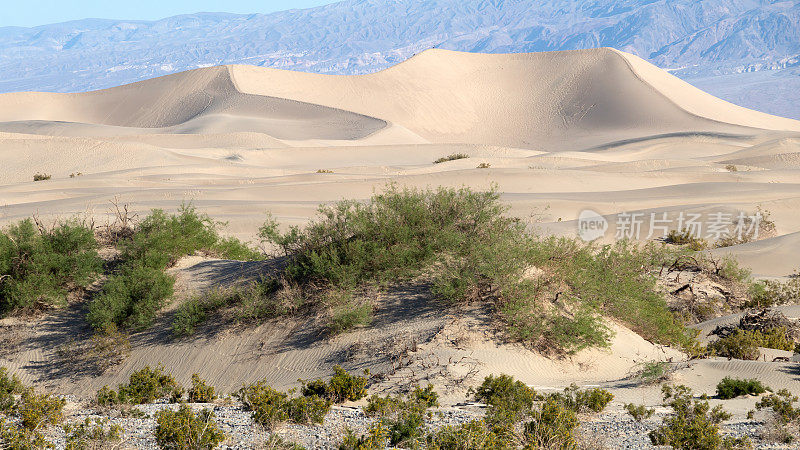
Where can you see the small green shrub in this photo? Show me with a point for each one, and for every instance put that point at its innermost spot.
(9, 386)
(693, 423)
(348, 313)
(575, 399)
(139, 289)
(731, 168)
(15, 437)
(504, 390)
(654, 372)
(375, 438)
(92, 434)
(729, 388)
(452, 157)
(484, 165)
(473, 435)
(685, 237)
(553, 426)
(39, 410)
(41, 177)
(639, 412)
(426, 396)
(271, 408)
(768, 293)
(185, 430)
(144, 386)
(738, 345)
(38, 266)
(201, 392)
(782, 404)
(324, 171)
(341, 387)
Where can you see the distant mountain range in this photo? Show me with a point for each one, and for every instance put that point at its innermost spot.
(746, 51)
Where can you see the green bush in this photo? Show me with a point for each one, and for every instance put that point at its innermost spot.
(686, 238)
(347, 312)
(9, 386)
(185, 430)
(271, 408)
(13, 437)
(341, 387)
(39, 266)
(144, 386)
(553, 426)
(738, 345)
(693, 423)
(654, 372)
(782, 403)
(201, 392)
(92, 434)
(463, 241)
(39, 410)
(473, 435)
(639, 412)
(451, 157)
(375, 438)
(404, 415)
(729, 388)
(41, 177)
(139, 289)
(575, 399)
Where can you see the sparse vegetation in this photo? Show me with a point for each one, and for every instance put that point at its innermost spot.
(484, 165)
(41, 177)
(271, 408)
(786, 416)
(341, 387)
(92, 434)
(200, 392)
(139, 288)
(324, 171)
(731, 168)
(143, 386)
(729, 388)
(744, 344)
(693, 423)
(749, 228)
(653, 372)
(473, 252)
(639, 412)
(40, 265)
(451, 157)
(685, 237)
(38, 410)
(186, 430)
(10, 385)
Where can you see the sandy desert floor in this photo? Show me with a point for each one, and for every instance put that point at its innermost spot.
(562, 132)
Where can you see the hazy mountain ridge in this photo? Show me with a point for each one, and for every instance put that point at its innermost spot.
(358, 36)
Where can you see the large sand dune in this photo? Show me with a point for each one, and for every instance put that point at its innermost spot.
(562, 132)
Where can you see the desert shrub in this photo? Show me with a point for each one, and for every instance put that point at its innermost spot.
(503, 391)
(639, 412)
(743, 344)
(38, 266)
(731, 168)
(14, 437)
(594, 400)
(9, 386)
(324, 171)
(144, 386)
(553, 426)
(92, 434)
(420, 397)
(738, 345)
(37, 410)
(463, 241)
(347, 312)
(653, 372)
(139, 289)
(451, 157)
(341, 387)
(693, 424)
(484, 165)
(685, 237)
(404, 415)
(426, 396)
(275, 442)
(41, 177)
(201, 392)
(473, 435)
(729, 388)
(768, 293)
(131, 298)
(185, 430)
(271, 408)
(782, 404)
(375, 438)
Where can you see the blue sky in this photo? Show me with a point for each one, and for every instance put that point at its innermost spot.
(39, 12)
